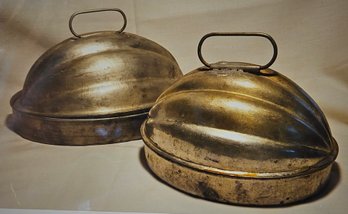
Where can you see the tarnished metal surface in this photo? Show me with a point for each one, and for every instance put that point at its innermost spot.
(95, 78)
(234, 189)
(240, 137)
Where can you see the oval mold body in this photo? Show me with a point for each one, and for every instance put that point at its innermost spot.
(239, 137)
(96, 88)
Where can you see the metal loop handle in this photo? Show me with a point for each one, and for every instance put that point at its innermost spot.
(93, 11)
(264, 35)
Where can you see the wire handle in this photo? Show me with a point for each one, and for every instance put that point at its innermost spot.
(94, 11)
(248, 68)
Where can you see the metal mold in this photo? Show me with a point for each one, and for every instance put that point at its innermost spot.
(239, 133)
(93, 88)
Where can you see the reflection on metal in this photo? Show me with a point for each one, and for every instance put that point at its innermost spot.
(94, 88)
(227, 134)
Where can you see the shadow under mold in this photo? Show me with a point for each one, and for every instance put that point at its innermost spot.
(332, 182)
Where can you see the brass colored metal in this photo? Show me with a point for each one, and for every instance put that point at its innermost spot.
(248, 68)
(96, 88)
(252, 138)
(94, 11)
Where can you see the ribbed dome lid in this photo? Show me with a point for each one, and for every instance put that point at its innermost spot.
(240, 119)
(104, 73)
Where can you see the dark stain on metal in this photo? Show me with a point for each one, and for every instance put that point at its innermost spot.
(211, 159)
(207, 191)
(241, 192)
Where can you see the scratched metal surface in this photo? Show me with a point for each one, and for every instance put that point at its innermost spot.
(313, 52)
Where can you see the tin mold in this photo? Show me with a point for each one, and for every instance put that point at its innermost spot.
(101, 79)
(239, 133)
